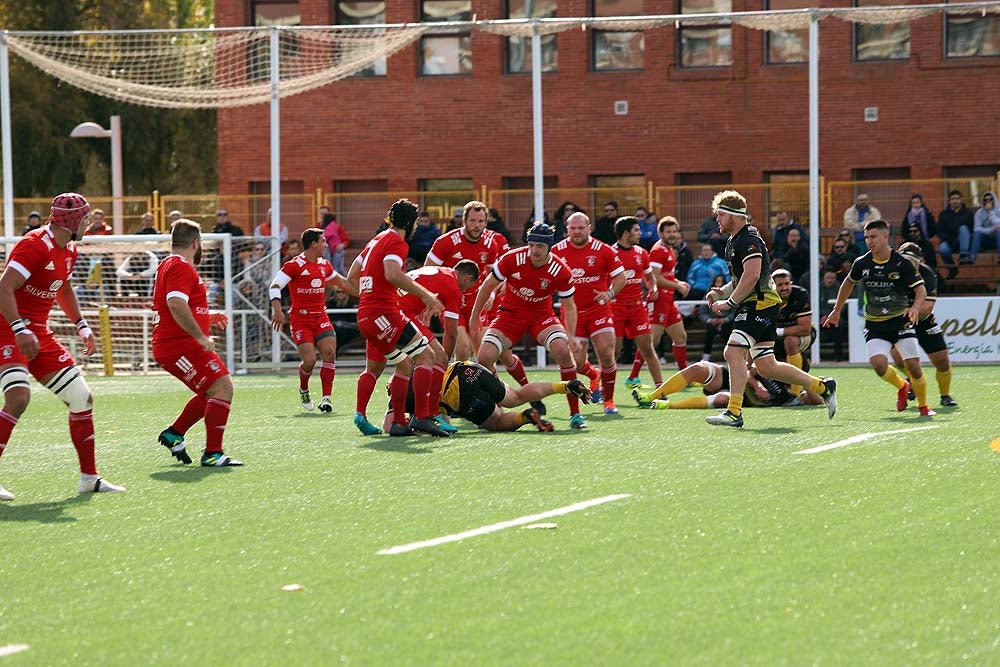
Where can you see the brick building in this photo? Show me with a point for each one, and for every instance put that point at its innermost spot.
(704, 106)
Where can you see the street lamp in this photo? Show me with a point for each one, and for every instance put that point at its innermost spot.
(91, 130)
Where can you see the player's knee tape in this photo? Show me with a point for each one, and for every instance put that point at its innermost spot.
(711, 375)
(553, 337)
(740, 339)
(493, 340)
(13, 378)
(416, 343)
(71, 389)
(757, 351)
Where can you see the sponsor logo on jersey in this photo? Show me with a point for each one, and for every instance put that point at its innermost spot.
(545, 283)
(64, 357)
(56, 284)
(50, 266)
(317, 282)
(305, 272)
(591, 260)
(7, 352)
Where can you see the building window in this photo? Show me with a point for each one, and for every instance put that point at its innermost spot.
(364, 13)
(706, 45)
(446, 53)
(618, 50)
(787, 46)
(268, 13)
(884, 41)
(968, 35)
(519, 48)
(441, 196)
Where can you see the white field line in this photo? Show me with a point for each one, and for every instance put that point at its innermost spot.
(575, 507)
(861, 438)
(11, 649)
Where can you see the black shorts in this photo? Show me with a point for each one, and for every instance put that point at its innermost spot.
(757, 324)
(891, 330)
(479, 392)
(930, 337)
(725, 383)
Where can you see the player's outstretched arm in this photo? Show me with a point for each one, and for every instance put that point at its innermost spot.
(484, 294)
(846, 287)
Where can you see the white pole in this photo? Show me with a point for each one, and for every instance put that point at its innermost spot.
(814, 221)
(275, 177)
(116, 175)
(536, 118)
(227, 272)
(8, 167)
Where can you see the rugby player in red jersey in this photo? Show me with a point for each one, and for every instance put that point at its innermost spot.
(37, 275)
(533, 275)
(597, 275)
(664, 315)
(183, 348)
(391, 334)
(309, 277)
(629, 308)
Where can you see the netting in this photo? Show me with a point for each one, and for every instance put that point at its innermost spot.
(231, 67)
(206, 68)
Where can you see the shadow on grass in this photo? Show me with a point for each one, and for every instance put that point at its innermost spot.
(188, 475)
(400, 445)
(52, 512)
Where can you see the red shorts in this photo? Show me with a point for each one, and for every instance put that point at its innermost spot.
(665, 313)
(485, 317)
(593, 320)
(51, 357)
(382, 331)
(631, 320)
(514, 325)
(310, 328)
(191, 364)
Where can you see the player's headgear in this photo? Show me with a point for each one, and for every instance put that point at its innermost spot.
(68, 211)
(541, 233)
(403, 215)
(911, 250)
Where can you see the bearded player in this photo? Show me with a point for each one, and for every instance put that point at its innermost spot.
(309, 277)
(597, 275)
(37, 275)
(391, 334)
(183, 348)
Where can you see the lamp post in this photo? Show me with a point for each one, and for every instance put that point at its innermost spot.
(91, 130)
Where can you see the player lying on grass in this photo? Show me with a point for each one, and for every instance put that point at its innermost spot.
(714, 379)
(474, 393)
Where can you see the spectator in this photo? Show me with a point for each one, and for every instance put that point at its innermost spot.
(457, 215)
(148, 224)
(783, 223)
(34, 222)
(828, 288)
(918, 216)
(796, 258)
(494, 223)
(914, 235)
(648, 232)
(709, 232)
(223, 225)
(604, 227)
(264, 231)
(565, 210)
(855, 218)
(955, 231)
(424, 235)
(292, 248)
(137, 272)
(337, 240)
(559, 233)
(701, 276)
(176, 215)
(670, 232)
(842, 251)
(986, 225)
(97, 226)
(258, 267)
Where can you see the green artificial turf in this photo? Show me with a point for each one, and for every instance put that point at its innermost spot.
(729, 549)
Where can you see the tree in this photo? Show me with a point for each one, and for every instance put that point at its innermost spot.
(163, 149)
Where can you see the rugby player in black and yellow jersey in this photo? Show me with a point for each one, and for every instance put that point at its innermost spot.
(753, 295)
(894, 295)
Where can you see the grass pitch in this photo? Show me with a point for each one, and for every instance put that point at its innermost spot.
(730, 548)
